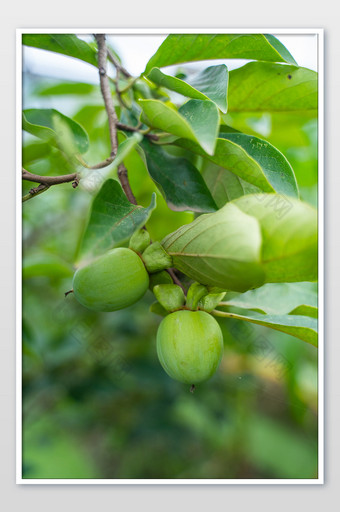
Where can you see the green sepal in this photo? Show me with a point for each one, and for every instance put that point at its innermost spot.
(170, 296)
(209, 302)
(195, 293)
(140, 240)
(158, 309)
(156, 258)
(161, 277)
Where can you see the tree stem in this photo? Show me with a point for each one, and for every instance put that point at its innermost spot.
(175, 279)
(103, 54)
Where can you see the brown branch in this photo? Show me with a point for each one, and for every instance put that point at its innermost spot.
(35, 192)
(128, 128)
(118, 65)
(111, 113)
(48, 180)
(45, 182)
(175, 279)
(124, 181)
(106, 91)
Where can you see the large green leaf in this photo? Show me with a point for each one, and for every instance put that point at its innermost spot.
(196, 120)
(276, 241)
(67, 44)
(303, 327)
(252, 159)
(113, 219)
(289, 236)
(268, 87)
(178, 48)
(225, 185)
(179, 181)
(221, 249)
(273, 163)
(56, 128)
(278, 299)
(211, 83)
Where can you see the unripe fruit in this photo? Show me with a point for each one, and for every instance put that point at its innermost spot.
(189, 345)
(111, 282)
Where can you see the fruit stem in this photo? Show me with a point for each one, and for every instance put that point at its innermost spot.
(175, 279)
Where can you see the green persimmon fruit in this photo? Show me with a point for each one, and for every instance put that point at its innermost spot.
(189, 345)
(111, 282)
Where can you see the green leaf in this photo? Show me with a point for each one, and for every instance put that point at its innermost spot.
(273, 163)
(35, 151)
(67, 88)
(179, 48)
(113, 219)
(305, 310)
(196, 120)
(276, 241)
(67, 44)
(179, 181)
(224, 185)
(280, 48)
(302, 327)
(211, 83)
(289, 236)
(252, 159)
(268, 87)
(221, 249)
(277, 299)
(59, 130)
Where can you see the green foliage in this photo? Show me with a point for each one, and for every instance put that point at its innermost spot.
(196, 120)
(178, 179)
(58, 130)
(223, 166)
(220, 249)
(268, 87)
(276, 298)
(209, 84)
(193, 47)
(239, 154)
(67, 44)
(289, 236)
(113, 219)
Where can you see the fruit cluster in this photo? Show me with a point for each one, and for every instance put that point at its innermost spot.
(189, 339)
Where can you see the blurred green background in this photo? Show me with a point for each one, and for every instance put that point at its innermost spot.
(96, 402)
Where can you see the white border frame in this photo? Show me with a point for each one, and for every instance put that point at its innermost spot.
(152, 31)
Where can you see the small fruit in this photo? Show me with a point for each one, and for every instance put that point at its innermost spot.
(111, 282)
(189, 345)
